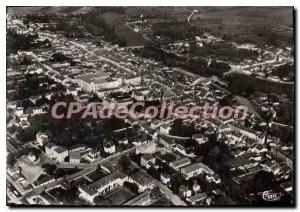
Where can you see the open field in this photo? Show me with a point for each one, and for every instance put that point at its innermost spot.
(30, 171)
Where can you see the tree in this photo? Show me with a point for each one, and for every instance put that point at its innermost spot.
(124, 162)
(36, 151)
(154, 172)
(180, 129)
(219, 66)
(132, 186)
(176, 128)
(176, 182)
(59, 57)
(49, 168)
(263, 181)
(70, 195)
(136, 158)
(155, 193)
(10, 159)
(58, 173)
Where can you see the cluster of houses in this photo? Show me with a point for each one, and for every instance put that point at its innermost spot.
(22, 115)
(78, 153)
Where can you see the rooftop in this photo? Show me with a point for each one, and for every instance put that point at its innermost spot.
(92, 188)
(196, 166)
(141, 179)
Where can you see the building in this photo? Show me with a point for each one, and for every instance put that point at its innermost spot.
(224, 128)
(258, 149)
(197, 198)
(284, 155)
(74, 157)
(166, 141)
(213, 178)
(37, 110)
(271, 166)
(109, 148)
(72, 90)
(181, 149)
(117, 101)
(146, 159)
(41, 138)
(164, 129)
(111, 181)
(177, 164)
(56, 152)
(142, 181)
(92, 156)
(245, 161)
(195, 169)
(184, 191)
(201, 139)
(32, 157)
(245, 131)
(123, 141)
(78, 148)
(24, 117)
(24, 124)
(133, 81)
(146, 148)
(99, 81)
(165, 178)
(102, 186)
(196, 187)
(19, 111)
(287, 186)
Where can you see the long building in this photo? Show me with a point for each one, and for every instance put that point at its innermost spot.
(107, 183)
(95, 82)
(102, 81)
(111, 181)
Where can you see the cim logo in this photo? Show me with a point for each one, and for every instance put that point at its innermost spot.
(270, 196)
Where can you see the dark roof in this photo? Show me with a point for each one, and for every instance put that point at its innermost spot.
(92, 188)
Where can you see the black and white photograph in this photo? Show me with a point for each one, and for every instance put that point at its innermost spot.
(150, 106)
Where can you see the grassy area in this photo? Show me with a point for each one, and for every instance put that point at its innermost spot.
(30, 171)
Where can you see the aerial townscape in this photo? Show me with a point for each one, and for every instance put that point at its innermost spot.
(235, 65)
